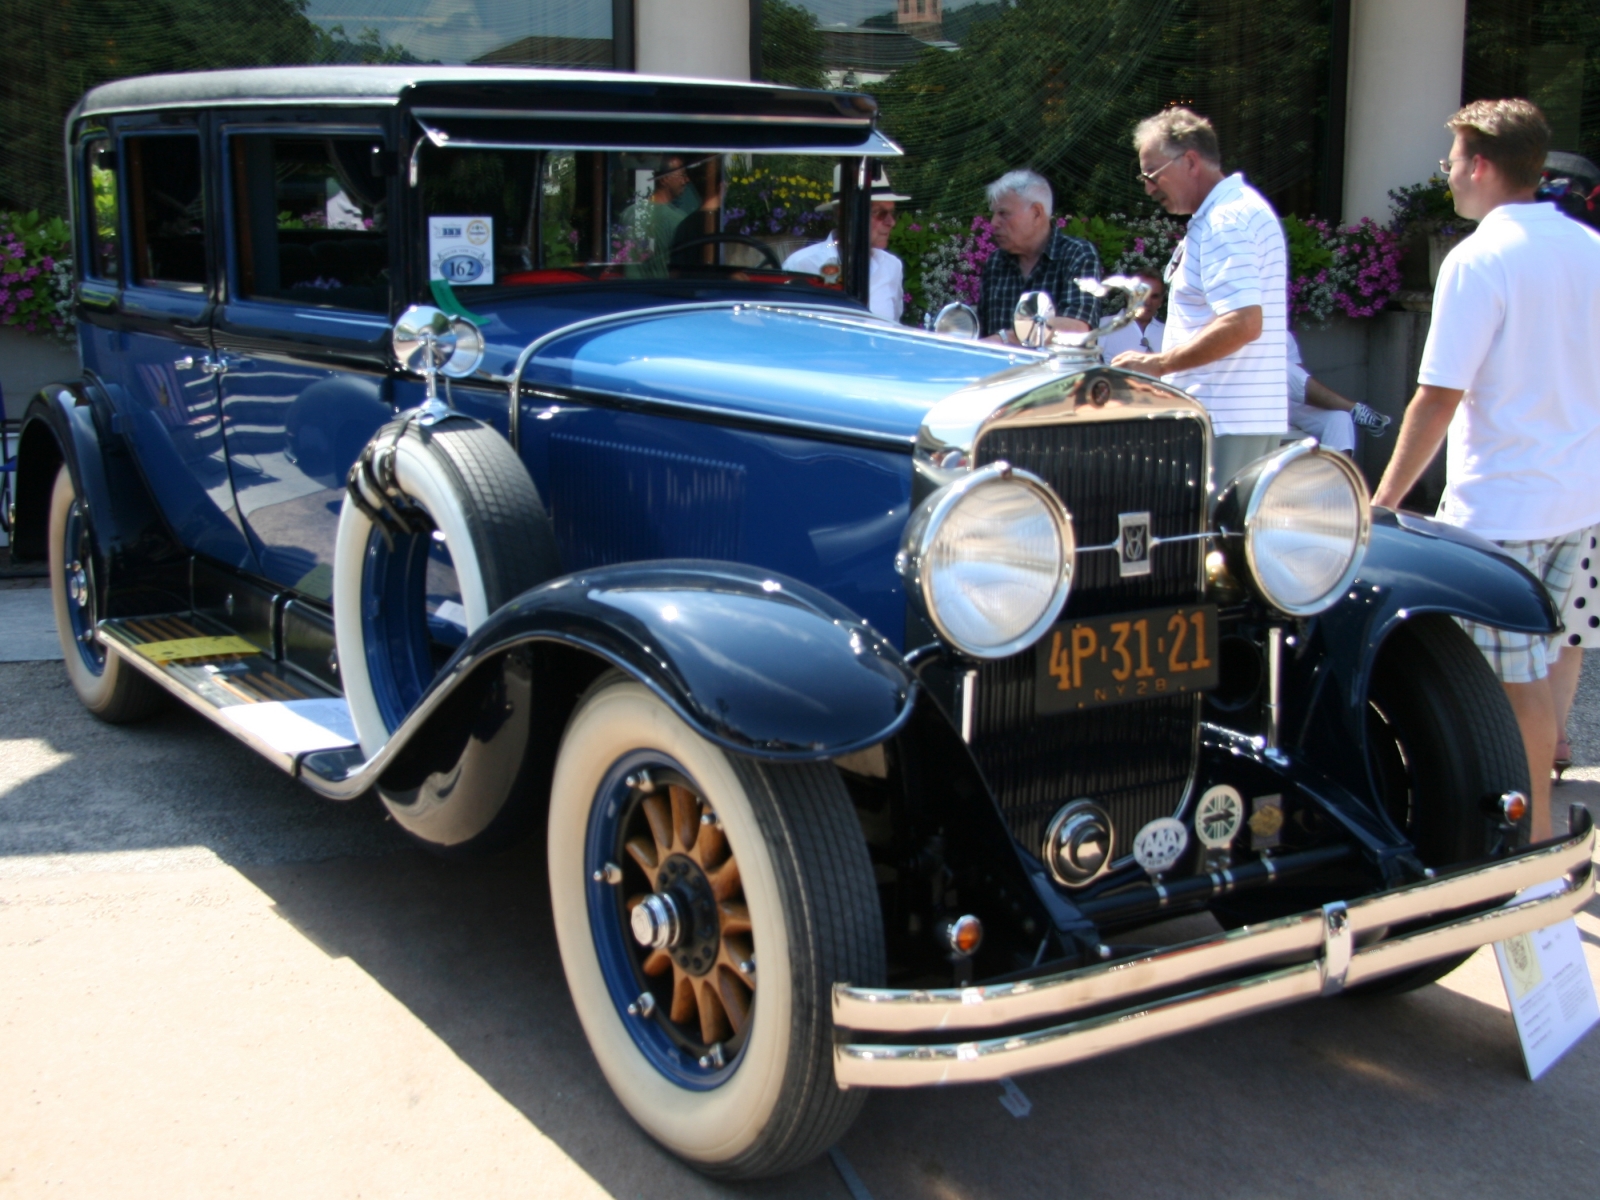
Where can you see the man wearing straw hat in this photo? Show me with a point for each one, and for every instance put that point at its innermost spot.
(887, 274)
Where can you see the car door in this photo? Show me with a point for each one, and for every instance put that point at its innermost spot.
(302, 332)
(151, 344)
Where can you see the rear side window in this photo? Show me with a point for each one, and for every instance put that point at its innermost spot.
(311, 221)
(167, 211)
(104, 260)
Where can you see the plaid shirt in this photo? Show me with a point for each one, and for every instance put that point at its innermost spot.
(1065, 260)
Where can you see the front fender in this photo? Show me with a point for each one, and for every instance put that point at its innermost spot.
(1413, 566)
(759, 663)
(1428, 566)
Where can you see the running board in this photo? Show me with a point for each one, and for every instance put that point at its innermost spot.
(280, 713)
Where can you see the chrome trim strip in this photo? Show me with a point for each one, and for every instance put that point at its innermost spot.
(886, 1010)
(567, 114)
(877, 1065)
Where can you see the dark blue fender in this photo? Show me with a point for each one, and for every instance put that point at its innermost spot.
(759, 663)
(72, 423)
(1413, 566)
(756, 662)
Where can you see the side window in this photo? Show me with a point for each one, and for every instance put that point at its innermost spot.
(167, 211)
(310, 221)
(103, 230)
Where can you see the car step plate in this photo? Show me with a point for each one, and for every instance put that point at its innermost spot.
(277, 711)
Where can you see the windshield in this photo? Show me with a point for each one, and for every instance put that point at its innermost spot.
(513, 217)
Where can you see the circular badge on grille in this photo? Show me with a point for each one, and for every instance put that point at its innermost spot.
(1218, 817)
(1160, 844)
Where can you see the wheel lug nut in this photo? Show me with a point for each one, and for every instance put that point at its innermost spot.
(709, 818)
(610, 873)
(643, 1006)
(713, 1058)
(640, 781)
(747, 967)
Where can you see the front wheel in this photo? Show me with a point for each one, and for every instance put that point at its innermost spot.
(1441, 740)
(705, 905)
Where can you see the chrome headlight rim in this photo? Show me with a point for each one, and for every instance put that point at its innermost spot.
(1261, 484)
(924, 526)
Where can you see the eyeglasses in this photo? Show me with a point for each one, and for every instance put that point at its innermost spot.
(1446, 163)
(1150, 176)
(883, 214)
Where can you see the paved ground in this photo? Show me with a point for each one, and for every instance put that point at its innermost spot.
(211, 983)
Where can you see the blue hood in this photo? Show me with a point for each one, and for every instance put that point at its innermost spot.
(840, 370)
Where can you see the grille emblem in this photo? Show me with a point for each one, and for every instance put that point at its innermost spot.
(1133, 544)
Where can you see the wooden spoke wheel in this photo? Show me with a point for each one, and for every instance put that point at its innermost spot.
(672, 863)
(700, 953)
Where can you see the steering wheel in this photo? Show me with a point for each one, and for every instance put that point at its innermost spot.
(767, 252)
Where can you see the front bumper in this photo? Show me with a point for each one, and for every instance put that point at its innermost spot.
(1112, 1006)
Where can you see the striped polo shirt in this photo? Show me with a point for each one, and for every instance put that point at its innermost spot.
(1232, 257)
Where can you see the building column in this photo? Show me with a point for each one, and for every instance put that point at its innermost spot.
(709, 39)
(1405, 80)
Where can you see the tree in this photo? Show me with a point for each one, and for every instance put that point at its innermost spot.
(55, 50)
(791, 45)
(1059, 85)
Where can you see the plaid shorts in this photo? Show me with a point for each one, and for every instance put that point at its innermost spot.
(1527, 657)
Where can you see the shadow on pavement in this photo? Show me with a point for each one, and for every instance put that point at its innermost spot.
(1417, 1095)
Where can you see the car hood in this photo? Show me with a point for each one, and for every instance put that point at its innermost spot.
(812, 368)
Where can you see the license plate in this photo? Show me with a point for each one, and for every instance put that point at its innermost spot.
(1130, 656)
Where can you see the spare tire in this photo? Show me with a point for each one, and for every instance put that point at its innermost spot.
(441, 525)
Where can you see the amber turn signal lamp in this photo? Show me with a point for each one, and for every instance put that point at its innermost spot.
(1510, 807)
(964, 935)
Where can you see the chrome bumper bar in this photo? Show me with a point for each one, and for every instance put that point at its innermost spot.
(1311, 954)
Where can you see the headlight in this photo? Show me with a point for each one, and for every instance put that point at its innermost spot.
(1306, 522)
(989, 560)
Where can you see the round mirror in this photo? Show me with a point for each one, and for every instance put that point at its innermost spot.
(957, 320)
(1031, 320)
(468, 351)
(422, 332)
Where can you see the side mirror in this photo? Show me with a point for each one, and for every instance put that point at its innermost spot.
(430, 343)
(1031, 320)
(427, 339)
(956, 320)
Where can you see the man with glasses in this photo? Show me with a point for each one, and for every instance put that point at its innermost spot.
(886, 275)
(1032, 255)
(1227, 307)
(1510, 371)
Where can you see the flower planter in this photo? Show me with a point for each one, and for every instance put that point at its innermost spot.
(1439, 245)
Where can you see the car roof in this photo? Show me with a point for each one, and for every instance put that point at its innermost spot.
(387, 85)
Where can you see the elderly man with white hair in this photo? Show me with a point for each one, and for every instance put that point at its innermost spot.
(1032, 255)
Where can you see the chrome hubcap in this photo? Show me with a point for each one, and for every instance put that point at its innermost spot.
(78, 584)
(655, 922)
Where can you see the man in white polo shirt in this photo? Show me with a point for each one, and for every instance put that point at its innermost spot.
(1511, 371)
(1227, 308)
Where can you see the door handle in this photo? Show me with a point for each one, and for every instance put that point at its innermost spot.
(205, 364)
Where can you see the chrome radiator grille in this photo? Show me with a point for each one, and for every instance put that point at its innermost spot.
(1134, 759)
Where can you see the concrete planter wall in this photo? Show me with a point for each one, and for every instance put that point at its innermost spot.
(1375, 360)
(28, 362)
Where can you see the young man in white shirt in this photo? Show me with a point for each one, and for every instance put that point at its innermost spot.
(886, 274)
(1228, 308)
(1510, 371)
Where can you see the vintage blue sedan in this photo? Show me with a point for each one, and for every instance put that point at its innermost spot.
(459, 436)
